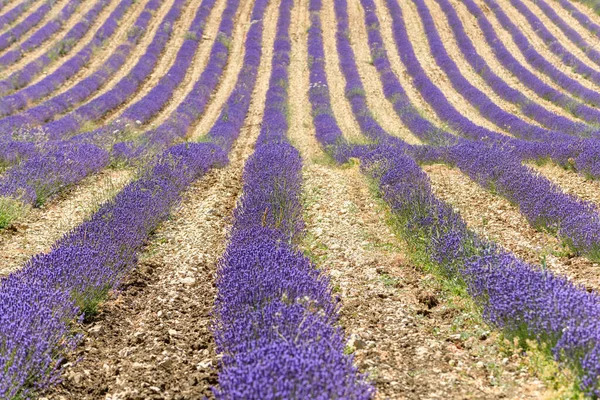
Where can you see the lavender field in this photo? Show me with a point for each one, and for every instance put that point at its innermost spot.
(299, 199)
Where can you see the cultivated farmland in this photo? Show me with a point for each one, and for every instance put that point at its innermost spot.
(298, 199)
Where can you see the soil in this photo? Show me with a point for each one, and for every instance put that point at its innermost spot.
(380, 107)
(335, 79)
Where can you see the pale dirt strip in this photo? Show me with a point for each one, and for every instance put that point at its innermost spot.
(342, 110)
(380, 107)
(152, 339)
(228, 78)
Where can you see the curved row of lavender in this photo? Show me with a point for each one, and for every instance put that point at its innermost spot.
(60, 49)
(18, 139)
(49, 291)
(275, 316)
(528, 107)
(583, 19)
(60, 164)
(92, 110)
(32, 20)
(40, 36)
(569, 32)
(478, 99)
(539, 62)
(40, 301)
(72, 122)
(519, 298)
(13, 14)
(555, 46)
(497, 165)
(12, 103)
(525, 76)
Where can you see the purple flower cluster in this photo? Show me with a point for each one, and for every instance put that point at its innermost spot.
(275, 318)
(41, 35)
(20, 100)
(17, 31)
(40, 301)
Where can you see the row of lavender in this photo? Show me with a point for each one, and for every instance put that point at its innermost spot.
(96, 108)
(519, 298)
(13, 14)
(33, 180)
(275, 317)
(40, 301)
(66, 162)
(49, 291)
